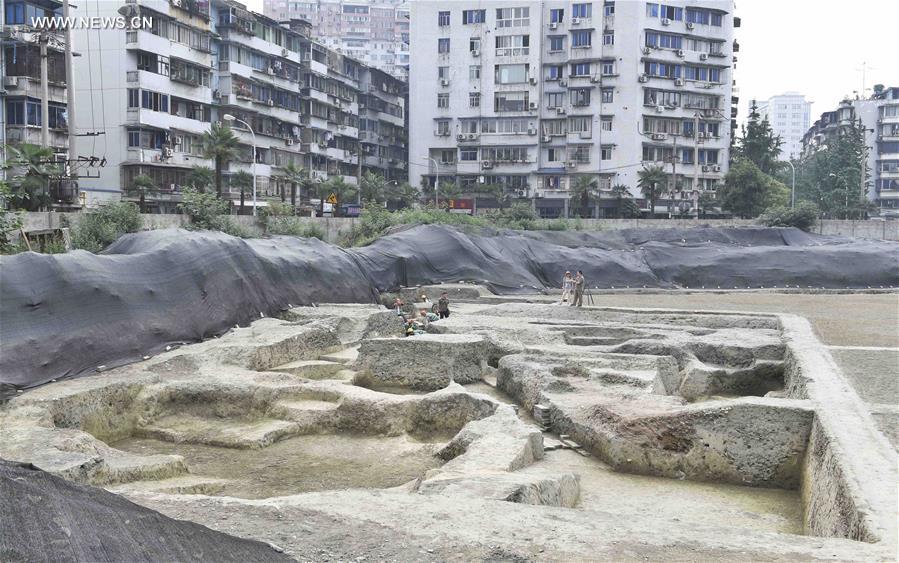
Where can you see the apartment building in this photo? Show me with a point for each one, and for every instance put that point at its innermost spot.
(789, 115)
(879, 115)
(375, 32)
(289, 100)
(532, 95)
(31, 111)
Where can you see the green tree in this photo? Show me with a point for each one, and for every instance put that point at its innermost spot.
(10, 221)
(405, 193)
(621, 193)
(493, 191)
(449, 190)
(296, 175)
(758, 143)
(141, 187)
(584, 190)
(832, 177)
(220, 144)
(651, 181)
(342, 191)
(373, 187)
(748, 191)
(202, 208)
(32, 169)
(200, 178)
(243, 181)
(706, 203)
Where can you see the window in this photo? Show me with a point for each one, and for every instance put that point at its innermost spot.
(554, 72)
(511, 74)
(554, 155)
(698, 16)
(582, 10)
(442, 73)
(474, 72)
(608, 8)
(443, 45)
(605, 152)
(664, 70)
(154, 101)
(608, 39)
(468, 125)
(474, 99)
(580, 97)
(555, 99)
(474, 44)
(443, 101)
(554, 127)
(608, 68)
(133, 98)
(556, 16)
(579, 124)
(447, 156)
(468, 155)
(716, 20)
(505, 126)
(686, 156)
(443, 127)
(474, 16)
(581, 38)
(510, 101)
(580, 69)
(608, 95)
(133, 138)
(579, 153)
(443, 19)
(512, 45)
(605, 124)
(556, 44)
(512, 17)
(504, 154)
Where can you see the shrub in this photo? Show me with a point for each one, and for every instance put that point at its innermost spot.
(294, 226)
(204, 209)
(10, 222)
(98, 229)
(803, 216)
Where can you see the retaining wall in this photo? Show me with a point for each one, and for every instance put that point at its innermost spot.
(334, 227)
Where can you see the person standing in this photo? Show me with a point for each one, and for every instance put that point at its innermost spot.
(443, 310)
(567, 287)
(579, 286)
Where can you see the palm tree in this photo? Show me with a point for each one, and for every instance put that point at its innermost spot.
(31, 184)
(141, 187)
(584, 190)
(621, 193)
(295, 174)
(243, 181)
(221, 144)
(651, 179)
(200, 178)
(373, 187)
(405, 193)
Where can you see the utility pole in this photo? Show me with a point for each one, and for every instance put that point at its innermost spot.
(673, 175)
(70, 88)
(696, 158)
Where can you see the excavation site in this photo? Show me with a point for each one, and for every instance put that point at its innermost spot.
(517, 428)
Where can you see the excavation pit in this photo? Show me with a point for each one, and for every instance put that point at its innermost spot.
(301, 463)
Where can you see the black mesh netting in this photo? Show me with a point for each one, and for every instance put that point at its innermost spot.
(61, 315)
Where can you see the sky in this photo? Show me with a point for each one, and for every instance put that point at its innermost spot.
(815, 47)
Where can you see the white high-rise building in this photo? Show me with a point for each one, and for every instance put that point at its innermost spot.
(789, 116)
(532, 94)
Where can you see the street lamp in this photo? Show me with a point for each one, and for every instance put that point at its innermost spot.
(229, 117)
(793, 190)
(436, 180)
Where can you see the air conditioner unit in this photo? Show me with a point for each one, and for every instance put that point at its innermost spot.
(533, 81)
(678, 81)
(575, 21)
(690, 25)
(659, 136)
(460, 137)
(532, 105)
(532, 130)
(680, 52)
(288, 142)
(553, 25)
(444, 82)
(705, 168)
(666, 21)
(646, 50)
(660, 109)
(521, 193)
(571, 164)
(173, 187)
(10, 81)
(703, 56)
(475, 53)
(167, 152)
(643, 78)
(472, 136)
(546, 139)
(716, 168)
(486, 164)
(271, 103)
(285, 53)
(560, 111)
(563, 83)
(177, 140)
(594, 79)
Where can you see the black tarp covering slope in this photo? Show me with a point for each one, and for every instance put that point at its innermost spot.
(46, 518)
(62, 315)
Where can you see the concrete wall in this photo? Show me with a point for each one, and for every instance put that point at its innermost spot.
(334, 227)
